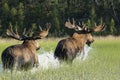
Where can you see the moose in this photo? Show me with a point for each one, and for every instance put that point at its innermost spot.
(67, 49)
(23, 56)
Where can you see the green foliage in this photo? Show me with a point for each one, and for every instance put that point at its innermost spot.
(13, 11)
(112, 27)
(33, 27)
(55, 21)
(21, 11)
(88, 23)
(93, 15)
(6, 8)
(26, 12)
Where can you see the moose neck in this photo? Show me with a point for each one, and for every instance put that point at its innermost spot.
(31, 44)
(80, 38)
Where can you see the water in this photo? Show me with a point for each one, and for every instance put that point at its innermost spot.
(84, 54)
(47, 60)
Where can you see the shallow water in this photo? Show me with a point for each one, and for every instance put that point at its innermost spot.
(47, 60)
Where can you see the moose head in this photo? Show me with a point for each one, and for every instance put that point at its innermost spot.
(23, 56)
(67, 49)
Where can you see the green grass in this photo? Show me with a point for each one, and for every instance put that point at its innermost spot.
(103, 63)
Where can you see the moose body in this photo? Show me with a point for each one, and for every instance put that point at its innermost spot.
(22, 56)
(67, 49)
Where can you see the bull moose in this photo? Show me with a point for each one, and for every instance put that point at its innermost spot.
(67, 49)
(23, 56)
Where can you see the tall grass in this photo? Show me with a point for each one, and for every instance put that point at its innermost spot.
(103, 63)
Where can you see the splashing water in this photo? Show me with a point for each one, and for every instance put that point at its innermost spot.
(48, 61)
(83, 55)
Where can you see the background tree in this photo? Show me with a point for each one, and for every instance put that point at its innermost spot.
(26, 13)
(112, 27)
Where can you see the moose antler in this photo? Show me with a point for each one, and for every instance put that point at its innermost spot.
(72, 25)
(99, 27)
(15, 35)
(83, 29)
(69, 25)
(41, 34)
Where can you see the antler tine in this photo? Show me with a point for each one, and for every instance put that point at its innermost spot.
(83, 24)
(68, 20)
(48, 25)
(69, 25)
(101, 21)
(24, 35)
(11, 30)
(16, 31)
(74, 26)
(79, 23)
(24, 31)
(40, 28)
(95, 24)
(11, 33)
(43, 33)
(73, 21)
(78, 27)
(99, 28)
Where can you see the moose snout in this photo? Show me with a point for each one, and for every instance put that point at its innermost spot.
(92, 41)
(89, 42)
(38, 48)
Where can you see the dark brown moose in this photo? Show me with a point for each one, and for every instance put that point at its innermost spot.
(67, 49)
(23, 56)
